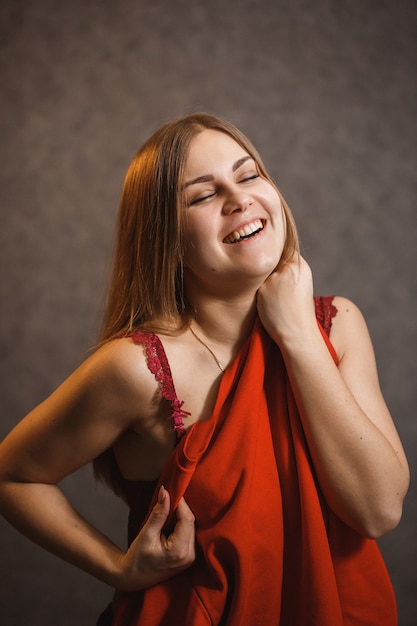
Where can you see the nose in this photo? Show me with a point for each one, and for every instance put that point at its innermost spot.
(236, 200)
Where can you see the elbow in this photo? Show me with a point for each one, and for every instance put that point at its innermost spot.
(385, 514)
(383, 520)
(382, 525)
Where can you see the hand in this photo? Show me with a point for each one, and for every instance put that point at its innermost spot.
(152, 557)
(285, 301)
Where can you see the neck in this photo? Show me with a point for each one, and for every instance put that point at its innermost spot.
(224, 310)
(226, 322)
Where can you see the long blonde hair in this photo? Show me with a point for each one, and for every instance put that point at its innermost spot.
(146, 285)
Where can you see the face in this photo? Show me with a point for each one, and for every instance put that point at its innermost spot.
(234, 227)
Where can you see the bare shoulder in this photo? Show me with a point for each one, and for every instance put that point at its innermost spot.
(120, 360)
(349, 329)
(119, 373)
(346, 308)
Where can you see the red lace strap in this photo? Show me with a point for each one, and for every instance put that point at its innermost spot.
(325, 312)
(157, 362)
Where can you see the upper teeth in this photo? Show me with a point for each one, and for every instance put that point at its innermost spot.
(243, 232)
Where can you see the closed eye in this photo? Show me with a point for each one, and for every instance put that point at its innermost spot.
(201, 198)
(243, 178)
(249, 178)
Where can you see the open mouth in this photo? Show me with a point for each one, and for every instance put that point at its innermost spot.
(246, 232)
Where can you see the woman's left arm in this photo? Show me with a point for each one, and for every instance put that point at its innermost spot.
(357, 453)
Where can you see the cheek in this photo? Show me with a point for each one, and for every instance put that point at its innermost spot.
(195, 242)
(200, 230)
(274, 200)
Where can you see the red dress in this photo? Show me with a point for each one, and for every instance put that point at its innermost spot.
(270, 551)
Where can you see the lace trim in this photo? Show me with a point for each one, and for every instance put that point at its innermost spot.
(158, 364)
(325, 312)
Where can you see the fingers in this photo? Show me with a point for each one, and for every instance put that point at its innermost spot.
(182, 540)
(180, 543)
(159, 513)
(285, 302)
(177, 551)
(151, 557)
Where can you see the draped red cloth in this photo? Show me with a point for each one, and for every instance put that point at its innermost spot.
(270, 552)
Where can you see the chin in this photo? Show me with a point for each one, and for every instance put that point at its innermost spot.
(267, 268)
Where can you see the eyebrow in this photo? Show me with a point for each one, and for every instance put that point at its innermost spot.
(209, 177)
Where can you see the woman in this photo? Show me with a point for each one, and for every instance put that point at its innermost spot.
(257, 454)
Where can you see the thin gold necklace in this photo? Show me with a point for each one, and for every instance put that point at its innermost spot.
(219, 365)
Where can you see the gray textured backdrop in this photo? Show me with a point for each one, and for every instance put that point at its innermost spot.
(327, 91)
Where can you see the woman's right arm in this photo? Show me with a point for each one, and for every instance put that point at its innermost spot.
(81, 419)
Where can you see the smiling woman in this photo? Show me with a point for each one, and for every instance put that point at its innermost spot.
(238, 415)
(234, 219)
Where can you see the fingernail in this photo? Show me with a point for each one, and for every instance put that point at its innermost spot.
(161, 494)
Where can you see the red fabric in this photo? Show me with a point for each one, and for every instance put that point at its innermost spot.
(269, 550)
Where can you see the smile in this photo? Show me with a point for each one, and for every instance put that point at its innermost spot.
(247, 231)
